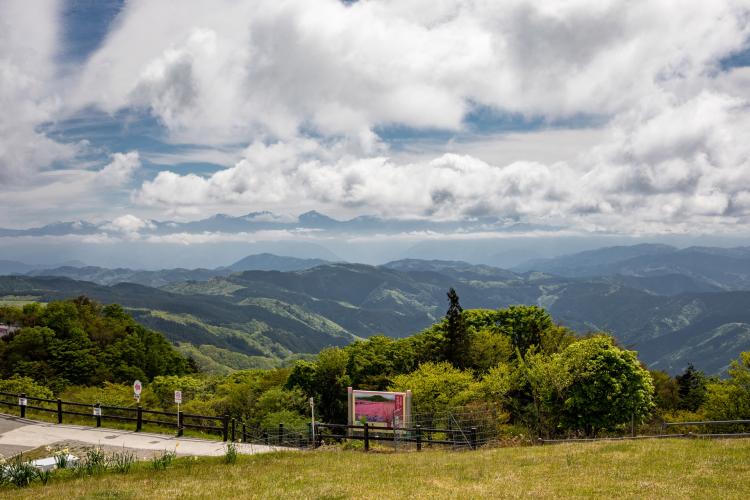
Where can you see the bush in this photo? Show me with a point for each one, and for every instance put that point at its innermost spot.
(230, 455)
(122, 461)
(163, 461)
(19, 473)
(25, 385)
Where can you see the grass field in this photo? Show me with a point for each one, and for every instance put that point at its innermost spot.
(670, 468)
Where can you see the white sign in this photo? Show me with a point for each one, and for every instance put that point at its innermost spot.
(137, 387)
(178, 397)
(97, 411)
(22, 402)
(312, 403)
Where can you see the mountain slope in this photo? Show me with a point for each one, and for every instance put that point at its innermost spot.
(670, 319)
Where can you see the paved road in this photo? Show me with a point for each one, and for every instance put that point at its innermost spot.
(18, 435)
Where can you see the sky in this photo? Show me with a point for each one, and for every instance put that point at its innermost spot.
(629, 118)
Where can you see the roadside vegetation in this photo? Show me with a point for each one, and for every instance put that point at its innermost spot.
(514, 367)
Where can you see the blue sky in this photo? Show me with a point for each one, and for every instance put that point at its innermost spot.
(615, 117)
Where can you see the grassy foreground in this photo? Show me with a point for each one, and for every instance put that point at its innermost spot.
(644, 469)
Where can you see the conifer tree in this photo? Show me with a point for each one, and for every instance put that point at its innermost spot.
(457, 345)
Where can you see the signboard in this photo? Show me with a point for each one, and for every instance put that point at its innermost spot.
(97, 411)
(178, 397)
(379, 408)
(22, 402)
(137, 388)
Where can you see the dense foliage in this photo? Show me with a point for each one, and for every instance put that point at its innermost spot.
(80, 342)
(515, 364)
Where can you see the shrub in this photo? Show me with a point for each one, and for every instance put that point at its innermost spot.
(122, 461)
(163, 461)
(230, 455)
(19, 473)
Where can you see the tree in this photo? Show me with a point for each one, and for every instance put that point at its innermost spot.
(666, 391)
(457, 337)
(608, 387)
(730, 399)
(691, 388)
(437, 387)
(526, 326)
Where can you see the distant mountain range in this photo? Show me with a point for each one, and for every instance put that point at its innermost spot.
(709, 267)
(104, 276)
(692, 308)
(268, 221)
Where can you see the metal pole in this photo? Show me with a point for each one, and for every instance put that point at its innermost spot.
(419, 437)
(21, 399)
(312, 419)
(367, 436)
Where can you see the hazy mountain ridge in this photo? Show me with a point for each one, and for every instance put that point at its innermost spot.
(671, 319)
(708, 267)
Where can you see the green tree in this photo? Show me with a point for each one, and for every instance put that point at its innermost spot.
(525, 325)
(437, 388)
(730, 399)
(457, 337)
(666, 391)
(331, 382)
(691, 388)
(608, 387)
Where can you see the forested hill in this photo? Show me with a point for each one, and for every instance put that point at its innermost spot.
(261, 318)
(79, 342)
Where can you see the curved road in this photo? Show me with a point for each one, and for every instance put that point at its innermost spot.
(18, 435)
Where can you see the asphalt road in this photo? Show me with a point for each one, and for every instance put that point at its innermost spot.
(17, 435)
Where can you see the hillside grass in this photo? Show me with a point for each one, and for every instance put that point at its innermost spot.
(669, 468)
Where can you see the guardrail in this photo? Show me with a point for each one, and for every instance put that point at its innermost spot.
(101, 413)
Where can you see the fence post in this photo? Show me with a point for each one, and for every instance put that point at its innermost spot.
(99, 415)
(419, 437)
(22, 406)
(225, 427)
(234, 425)
(473, 438)
(318, 437)
(139, 418)
(59, 411)
(310, 435)
(179, 423)
(244, 433)
(367, 436)
(281, 434)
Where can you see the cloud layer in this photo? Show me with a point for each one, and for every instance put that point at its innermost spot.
(308, 89)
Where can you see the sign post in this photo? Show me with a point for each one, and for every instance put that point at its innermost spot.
(178, 399)
(137, 388)
(312, 412)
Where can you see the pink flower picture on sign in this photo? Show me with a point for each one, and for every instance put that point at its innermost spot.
(379, 407)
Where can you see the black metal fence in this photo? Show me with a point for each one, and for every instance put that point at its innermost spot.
(100, 413)
(418, 436)
(458, 433)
